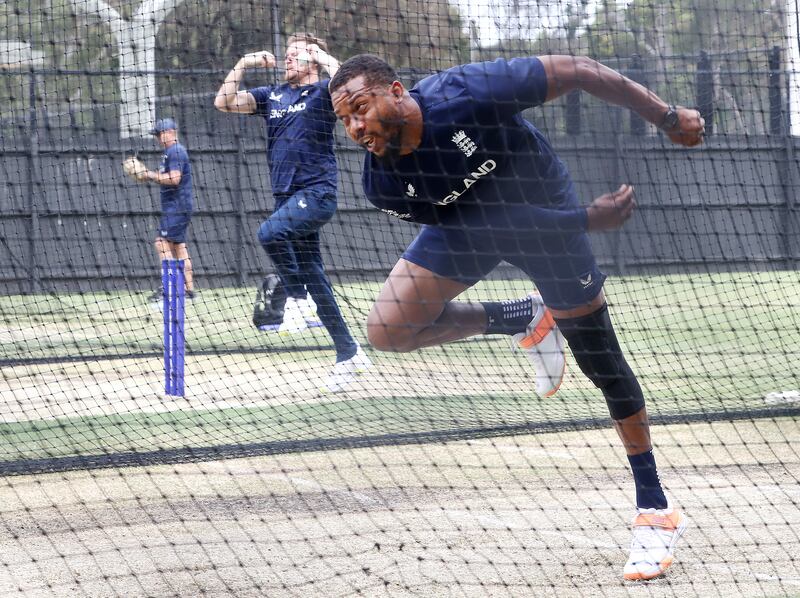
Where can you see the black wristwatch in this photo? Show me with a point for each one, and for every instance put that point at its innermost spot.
(670, 121)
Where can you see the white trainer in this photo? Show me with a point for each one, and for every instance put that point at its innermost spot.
(655, 534)
(543, 343)
(345, 372)
(293, 319)
(309, 310)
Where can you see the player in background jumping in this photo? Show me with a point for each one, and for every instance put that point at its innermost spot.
(302, 165)
(455, 154)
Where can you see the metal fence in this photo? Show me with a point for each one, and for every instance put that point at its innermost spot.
(70, 220)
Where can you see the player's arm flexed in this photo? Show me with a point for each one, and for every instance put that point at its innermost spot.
(229, 97)
(317, 55)
(303, 62)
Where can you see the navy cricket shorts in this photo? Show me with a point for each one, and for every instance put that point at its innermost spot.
(173, 225)
(561, 265)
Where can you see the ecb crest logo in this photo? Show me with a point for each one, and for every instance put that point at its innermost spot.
(464, 143)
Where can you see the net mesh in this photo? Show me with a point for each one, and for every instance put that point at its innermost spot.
(439, 470)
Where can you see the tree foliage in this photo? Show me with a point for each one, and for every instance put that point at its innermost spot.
(214, 34)
(666, 38)
(418, 34)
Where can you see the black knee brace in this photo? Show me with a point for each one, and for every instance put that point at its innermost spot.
(599, 356)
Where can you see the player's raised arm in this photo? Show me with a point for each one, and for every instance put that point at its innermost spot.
(325, 60)
(229, 97)
(683, 126)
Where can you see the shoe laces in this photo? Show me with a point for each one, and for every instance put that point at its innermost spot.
(646, 538)
(534, 352)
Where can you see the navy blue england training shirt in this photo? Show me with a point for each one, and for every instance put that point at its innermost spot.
(478, 156)
(300, 123)
(177, 198)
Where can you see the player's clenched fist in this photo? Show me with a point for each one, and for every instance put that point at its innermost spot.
(262, 59)
(317, 54)
(690, 128)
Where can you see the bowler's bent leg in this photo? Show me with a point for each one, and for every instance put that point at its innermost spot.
(415, 309)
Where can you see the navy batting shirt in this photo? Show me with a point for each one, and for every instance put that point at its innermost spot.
(300, 123)
(477, 150)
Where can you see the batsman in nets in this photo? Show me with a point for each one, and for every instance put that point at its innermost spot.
(302, 166)
(455, 155)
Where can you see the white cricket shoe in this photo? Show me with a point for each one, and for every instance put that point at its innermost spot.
(345, 372)
(293, 320)
(543, 343)
(655, 533)
(309, 310)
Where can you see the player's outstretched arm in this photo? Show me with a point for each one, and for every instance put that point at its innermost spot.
(229, 97)
(566, 73)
